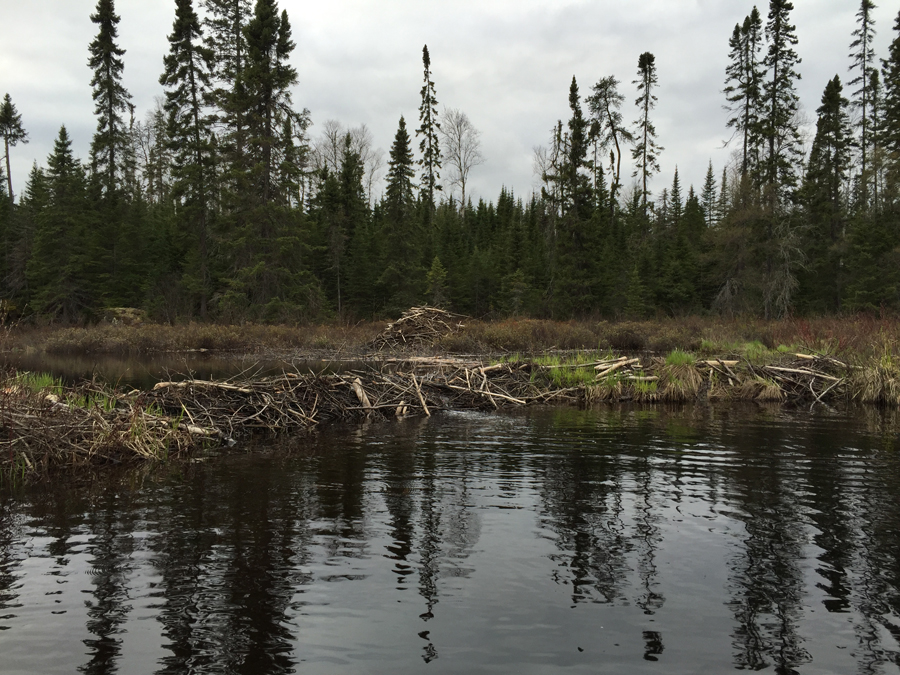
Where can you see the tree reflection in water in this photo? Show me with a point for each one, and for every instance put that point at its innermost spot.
(243, 564)
(111, 547)
(10, 559)
(582, 498)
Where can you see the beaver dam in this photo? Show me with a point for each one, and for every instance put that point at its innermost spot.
(45, 425)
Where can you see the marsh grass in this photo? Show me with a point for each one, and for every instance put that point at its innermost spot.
(680, 380)
(38, 382)
(678, 357)
(861, 335)
(151, 338)
(568, 370)
(646, 392)
(608, 388)
(879, 382)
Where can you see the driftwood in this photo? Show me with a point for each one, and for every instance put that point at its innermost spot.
(291, 402)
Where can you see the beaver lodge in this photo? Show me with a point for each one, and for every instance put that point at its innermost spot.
(44, 425)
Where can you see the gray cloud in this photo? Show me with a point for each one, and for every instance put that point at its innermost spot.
(507, 64)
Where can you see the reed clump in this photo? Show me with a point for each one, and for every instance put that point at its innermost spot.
(879, 382)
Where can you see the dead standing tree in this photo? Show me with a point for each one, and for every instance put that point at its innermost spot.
(461, 145)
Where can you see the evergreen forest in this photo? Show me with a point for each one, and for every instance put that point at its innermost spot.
(222, 204)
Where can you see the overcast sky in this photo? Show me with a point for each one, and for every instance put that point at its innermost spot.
(506, 63)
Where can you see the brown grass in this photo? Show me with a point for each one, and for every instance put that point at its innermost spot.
(879, 383)
(862, 335)
(149, 338)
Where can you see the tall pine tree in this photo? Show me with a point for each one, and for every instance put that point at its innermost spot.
(429, 146)
(891, 112)
(646, 150)
(269, 277)
(778, 122)
(824, 201)
(609, 131)
(743, 86)
(187, 79)
(13, 133)
(577, 238)
(862, 57)
(111, 99)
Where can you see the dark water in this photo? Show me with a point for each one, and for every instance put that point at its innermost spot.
(695, 540)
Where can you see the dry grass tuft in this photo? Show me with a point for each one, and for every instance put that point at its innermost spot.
(758, 389)
(879, 383)
(680, 382)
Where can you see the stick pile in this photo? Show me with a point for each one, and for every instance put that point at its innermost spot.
(419, 326)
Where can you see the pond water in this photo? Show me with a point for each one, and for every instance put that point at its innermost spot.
(619, 540)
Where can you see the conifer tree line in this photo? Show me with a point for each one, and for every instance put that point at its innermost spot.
(223, 205)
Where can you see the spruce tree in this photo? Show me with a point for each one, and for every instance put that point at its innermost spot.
(339, 208)
(742, 86)
(577, 236)
(675, 200)
(876, 123)
(268, 78)
(862, 57)
(187, 79)
(708, 198)
(59, 268)
(268, 243)
(646, 151)
(429, 146)
(20, 234)
(891, 105)
(778, 123)
(13, 133)
(776, 234)
(225, 23)
(401, 281)
(576, 183)
(725, 202)
(399, 197)
(110, 98)
(824, 201)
